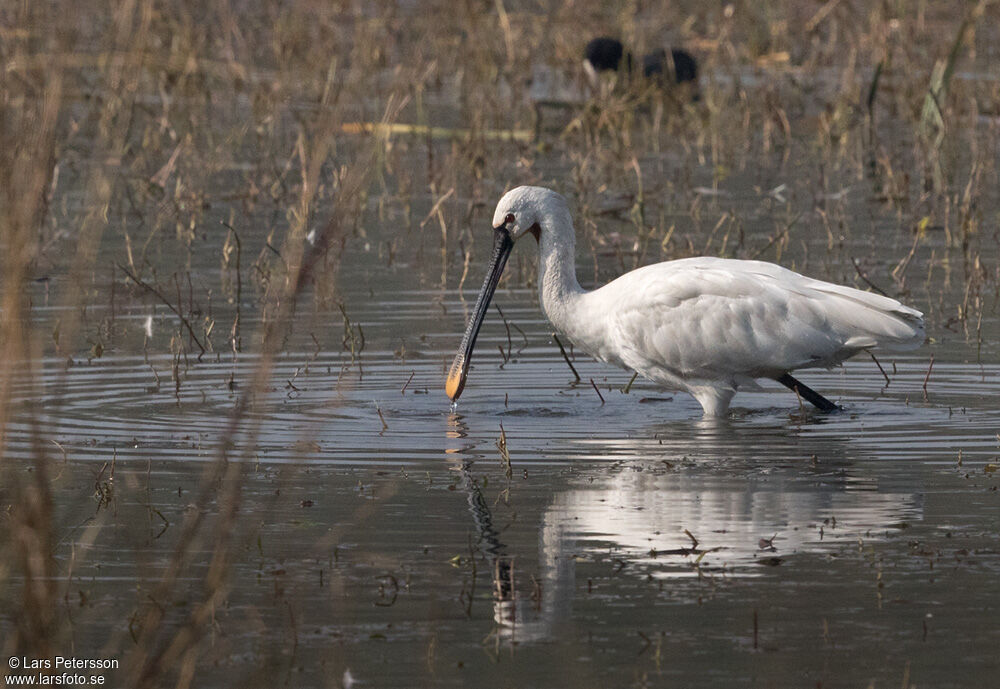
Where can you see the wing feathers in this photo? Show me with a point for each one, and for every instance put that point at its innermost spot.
(712, 319)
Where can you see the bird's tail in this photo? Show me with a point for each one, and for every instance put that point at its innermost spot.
(882, 322)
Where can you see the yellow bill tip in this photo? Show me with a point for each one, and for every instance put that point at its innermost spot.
(453, 386)
(456, 379)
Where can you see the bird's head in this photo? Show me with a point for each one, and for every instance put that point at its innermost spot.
(519, 210)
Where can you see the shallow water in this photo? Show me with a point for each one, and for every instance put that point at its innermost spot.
(633, 542)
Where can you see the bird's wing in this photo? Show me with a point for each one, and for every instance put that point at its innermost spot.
(718, 319)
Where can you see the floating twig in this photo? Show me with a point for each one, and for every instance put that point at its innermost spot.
(523, 335)
(884, 374)
(861, 274)
(355, 344)
(596, 390)
(402, 390)
(159, 295)
(166, 522)
(508, 470)
(767, 543)
(647, 643)
(628, 386)
(237, 340)
(506, 325)
(569, 363)
(928, 376)
(61, 449)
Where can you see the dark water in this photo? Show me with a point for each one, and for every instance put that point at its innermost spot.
(634, 543)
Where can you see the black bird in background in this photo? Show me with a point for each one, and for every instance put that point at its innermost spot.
(607, 54)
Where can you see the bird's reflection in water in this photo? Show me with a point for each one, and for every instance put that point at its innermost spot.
(501, 564)
(683, 503)
(507, 604)
(457, 430)
(520, 610)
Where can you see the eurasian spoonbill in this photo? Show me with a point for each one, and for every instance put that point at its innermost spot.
(707, 326)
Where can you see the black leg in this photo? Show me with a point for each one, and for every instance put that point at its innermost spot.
(807, 393)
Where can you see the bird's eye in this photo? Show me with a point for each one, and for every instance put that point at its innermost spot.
(509, 220)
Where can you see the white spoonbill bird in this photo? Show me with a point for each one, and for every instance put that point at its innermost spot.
(707, 326)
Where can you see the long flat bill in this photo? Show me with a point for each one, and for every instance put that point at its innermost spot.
(502, 244)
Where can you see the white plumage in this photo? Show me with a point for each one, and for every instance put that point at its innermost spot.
(708, 326)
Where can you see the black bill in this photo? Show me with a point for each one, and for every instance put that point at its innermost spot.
(502, 244)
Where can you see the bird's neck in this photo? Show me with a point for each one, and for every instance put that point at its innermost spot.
(558, 289)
